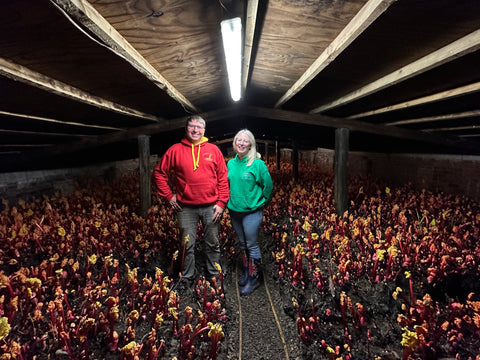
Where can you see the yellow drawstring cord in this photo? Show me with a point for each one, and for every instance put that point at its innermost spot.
(197, 160)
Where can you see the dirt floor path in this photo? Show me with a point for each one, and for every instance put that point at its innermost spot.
(258, 326)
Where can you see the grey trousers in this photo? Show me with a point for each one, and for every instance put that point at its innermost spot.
(188, 221)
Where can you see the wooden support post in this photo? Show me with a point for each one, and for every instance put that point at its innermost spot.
(277, 154)
(145, 174)
(295, 160)
(341, 170)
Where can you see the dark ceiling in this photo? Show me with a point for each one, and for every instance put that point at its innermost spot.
(81, 80)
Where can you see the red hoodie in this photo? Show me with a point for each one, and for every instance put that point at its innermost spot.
(200, 174)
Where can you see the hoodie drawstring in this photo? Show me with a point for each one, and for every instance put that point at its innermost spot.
(197, 160)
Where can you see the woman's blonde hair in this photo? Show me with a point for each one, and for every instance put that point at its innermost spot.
(252, 152)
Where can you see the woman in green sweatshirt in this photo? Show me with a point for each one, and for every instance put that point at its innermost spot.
(250, 191)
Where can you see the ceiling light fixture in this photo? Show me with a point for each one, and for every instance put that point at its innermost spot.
(232, 45)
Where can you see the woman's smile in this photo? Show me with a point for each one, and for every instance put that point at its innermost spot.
(242, 145)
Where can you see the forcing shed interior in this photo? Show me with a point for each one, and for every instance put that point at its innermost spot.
(81, 80)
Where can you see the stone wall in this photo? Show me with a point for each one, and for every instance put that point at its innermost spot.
(29, 184)
(451, 174)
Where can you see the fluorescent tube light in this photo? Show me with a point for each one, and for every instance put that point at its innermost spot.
(232, 45)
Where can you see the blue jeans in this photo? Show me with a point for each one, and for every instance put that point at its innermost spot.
(246, 226)
(188, 221)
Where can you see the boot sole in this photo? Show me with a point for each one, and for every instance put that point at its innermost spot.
(242, 284)
(253, 289)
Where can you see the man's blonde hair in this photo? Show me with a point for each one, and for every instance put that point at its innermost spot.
(196, 118)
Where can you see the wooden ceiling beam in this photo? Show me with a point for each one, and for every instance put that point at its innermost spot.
(450, 52)
(24, 145)
(223, 141)
(230, 139)
(453, 128)
(94, 141)
(43, 133)
(443, 95)
(40, 118)
(83, 12)
(250, 23)
(360, 126)
(465, 114)
(13, 152)
(364, 18)
(21, 73)
(255, 112)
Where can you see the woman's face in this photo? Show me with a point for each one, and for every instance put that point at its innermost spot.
(242, 145)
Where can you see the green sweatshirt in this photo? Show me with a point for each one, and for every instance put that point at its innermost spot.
(250, 186)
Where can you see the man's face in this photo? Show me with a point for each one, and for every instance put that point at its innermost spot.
(195, 131)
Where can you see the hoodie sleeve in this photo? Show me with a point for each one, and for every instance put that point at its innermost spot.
(160, 176)
(222, 181)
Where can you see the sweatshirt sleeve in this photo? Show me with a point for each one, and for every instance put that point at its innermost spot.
(265, 182)
(160, 176)
(222, 181)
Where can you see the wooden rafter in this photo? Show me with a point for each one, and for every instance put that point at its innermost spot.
(24, 145)
(223, 141)
(353, 125)
(366, 16)
(443, 95)
(13, 152)
(93, 141)
(88, 16)
(450, 52)
(230, 139)
(425, 119)
(43, 133)
(255, 112)
(453, 128)
(21, 73)
(41, 118)
(250, 22)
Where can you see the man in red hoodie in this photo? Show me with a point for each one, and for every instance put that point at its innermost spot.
(201, 192)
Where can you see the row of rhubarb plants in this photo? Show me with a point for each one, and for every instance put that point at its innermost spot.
(404, 240)
(84, 277)
(82, 273)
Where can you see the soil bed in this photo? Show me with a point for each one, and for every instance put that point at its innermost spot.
(76, 273)
(261, 337)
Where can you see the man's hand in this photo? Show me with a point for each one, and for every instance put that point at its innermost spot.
(174, 204)
(218, 212)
